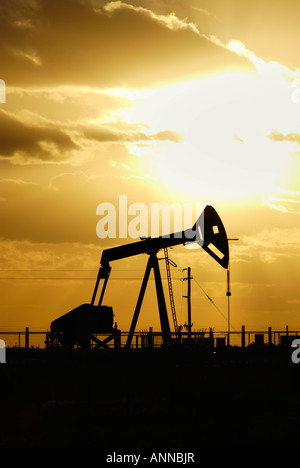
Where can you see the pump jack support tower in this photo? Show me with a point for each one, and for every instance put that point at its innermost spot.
(208, 232)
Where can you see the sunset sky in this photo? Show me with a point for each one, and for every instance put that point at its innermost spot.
(186, 101)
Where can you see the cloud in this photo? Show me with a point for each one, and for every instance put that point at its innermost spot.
(65, 209)
(40, 258)
(38, 136)
(118, 45)
(66, 103)
(68, 181)
(23, 141)
(285, 201)
(106, 134)
(290, 137)
(269, 28)
(254, 253)
(170, 20)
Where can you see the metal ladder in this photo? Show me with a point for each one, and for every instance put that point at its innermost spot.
(168, 262)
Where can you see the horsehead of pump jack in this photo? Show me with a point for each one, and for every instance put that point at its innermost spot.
(208, 232)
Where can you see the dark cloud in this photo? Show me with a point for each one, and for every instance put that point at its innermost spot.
(105, 134)
(44, 143)
(26, 142)
(51, 42)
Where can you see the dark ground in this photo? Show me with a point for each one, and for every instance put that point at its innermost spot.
(139, 399)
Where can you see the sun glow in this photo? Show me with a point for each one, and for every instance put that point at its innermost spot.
(225, 123)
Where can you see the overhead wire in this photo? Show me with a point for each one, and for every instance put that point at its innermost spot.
(92, 278)
(75, 279)
(69, 278)
(211, 300)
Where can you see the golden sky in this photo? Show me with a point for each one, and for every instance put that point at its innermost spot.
(191, 101)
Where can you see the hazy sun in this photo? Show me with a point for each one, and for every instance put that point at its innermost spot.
(225, 122)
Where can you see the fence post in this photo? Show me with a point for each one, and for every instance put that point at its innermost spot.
(150, 338)
(243, 336)
(117, 339)
(179, 334)
(27, 337)
(270, 335)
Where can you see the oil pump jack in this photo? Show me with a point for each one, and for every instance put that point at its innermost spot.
(208, 232)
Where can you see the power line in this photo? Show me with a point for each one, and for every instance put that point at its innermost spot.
(55, 269)
(210, 299)
(77, 279)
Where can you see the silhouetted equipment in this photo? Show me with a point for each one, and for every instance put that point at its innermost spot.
(78, 327)
(228, 294)
(189, 325)
(171, 295)
(208, 232)
(81, 325)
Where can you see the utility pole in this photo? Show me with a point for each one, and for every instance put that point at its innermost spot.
(228, 294)
(189, 324)
(189, 305)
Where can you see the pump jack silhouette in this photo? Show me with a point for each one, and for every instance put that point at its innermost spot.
(208, 232)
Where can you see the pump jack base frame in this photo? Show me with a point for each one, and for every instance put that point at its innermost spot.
(114, 335)
(164, 321)
(104, 273)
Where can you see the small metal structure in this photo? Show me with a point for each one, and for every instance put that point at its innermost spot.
(80, 326)
(189, 325)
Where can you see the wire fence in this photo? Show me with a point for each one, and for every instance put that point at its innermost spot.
(151, 339)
